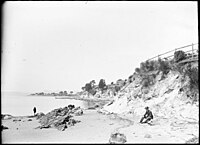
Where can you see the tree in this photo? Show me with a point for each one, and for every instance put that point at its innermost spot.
(65, 92)
(92, 83)
(88, 87)
(61, 93)
(117, 88)
(102, 84)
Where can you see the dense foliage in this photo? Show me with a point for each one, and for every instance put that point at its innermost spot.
(148, 71)
(193, 75)
(179, 55)
(102, 85)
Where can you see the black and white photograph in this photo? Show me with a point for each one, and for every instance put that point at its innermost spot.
(106, 72)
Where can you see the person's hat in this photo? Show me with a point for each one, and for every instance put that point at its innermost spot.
(146, 107)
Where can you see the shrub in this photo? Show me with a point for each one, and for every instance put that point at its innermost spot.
(142, 67)
(177, 67)
(83, 88)
(164, 66)
(152, 65)
(192, 73)
(88, 87)
(148, 66)
(102, 84)
(130, 79)
(179, 55)
(92, 91)
(117, 88)
(145, 82)
(137, 70)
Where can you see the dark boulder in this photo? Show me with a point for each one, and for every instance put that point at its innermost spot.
(71, 106)
(3, 127)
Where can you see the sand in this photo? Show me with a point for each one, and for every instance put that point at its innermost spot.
(95, 128)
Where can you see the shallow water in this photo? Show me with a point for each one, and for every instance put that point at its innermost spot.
(20, 105)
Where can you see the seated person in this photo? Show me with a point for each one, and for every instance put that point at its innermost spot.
(147, 116)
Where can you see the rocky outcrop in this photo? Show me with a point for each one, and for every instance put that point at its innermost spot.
(117, 138)
(167, 99)
(193, 140)
(77, 111)
(3, 127)
(39, 115)
(71, 106)
(60, 118)
(164, 99)
(6, 116)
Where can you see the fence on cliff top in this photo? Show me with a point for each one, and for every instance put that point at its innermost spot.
(193, 56)
(193, 52)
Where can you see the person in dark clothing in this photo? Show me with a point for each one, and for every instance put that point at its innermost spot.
(147, 116)
(34, 110)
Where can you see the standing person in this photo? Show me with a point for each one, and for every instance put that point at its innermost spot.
(34, 110)
(147, 116)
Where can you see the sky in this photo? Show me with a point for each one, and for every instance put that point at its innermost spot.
(53, 46)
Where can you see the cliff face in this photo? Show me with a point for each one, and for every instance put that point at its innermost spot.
(168, 97)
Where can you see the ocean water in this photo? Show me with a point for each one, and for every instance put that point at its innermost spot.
(21, 104)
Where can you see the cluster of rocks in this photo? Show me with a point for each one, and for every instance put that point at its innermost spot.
(60, 118)
(193, 140)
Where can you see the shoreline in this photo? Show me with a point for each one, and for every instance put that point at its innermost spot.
(101, 126)
(23, 131)
(98, 120)
(84, 99)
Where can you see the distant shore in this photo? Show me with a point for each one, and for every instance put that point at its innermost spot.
(75, 97)
(83, 99)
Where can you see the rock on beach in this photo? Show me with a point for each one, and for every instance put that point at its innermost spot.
(60, 118)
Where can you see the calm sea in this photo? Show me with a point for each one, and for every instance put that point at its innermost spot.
(22, 104)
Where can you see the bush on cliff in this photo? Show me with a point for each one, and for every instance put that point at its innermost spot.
(192, 73)
(164, 66)
(179, 55)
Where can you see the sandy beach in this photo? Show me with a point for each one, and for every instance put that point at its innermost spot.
(93, 128)
(100, 72)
